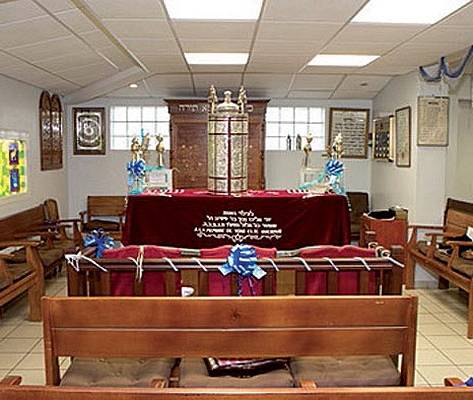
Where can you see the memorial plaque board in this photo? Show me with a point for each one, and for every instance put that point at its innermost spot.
(353, 125)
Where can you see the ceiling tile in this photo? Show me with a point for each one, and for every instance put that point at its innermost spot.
(31, 31)
(268, 81)
(19, 10)
(276, 63)
(218, 46)
(67, 45)
(139, 28)
(310, 94)
(301, 47)
(86, 74)
(216, 68)
(8, 61)
(459, 36)
(66, 62)
(96, 39)
(354, 94)
(354, 82)
(75, 20)
(27, 73)
(316, 82)
(338, 47)
(267, 93)
(295, 31)
(164, 63)
(57, 5)
(221, 82)
(121, 60)
(385, 33)
(127, 9)
(126, 91)
(462, 17)
(151, 46)
(169, 81)
(214, 30)
(311, 10)
(386, 68)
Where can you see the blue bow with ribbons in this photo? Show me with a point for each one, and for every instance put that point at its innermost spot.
(137, 168)
(100, 240)
(242, 261)
(333, 167)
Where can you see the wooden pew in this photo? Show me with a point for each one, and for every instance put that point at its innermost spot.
(450, 268)
(18, 392)
(290, 279)
(220, 327)
(99, 207)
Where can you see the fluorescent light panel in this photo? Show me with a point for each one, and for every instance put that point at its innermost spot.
(216, 58)
(407, 11)
(214, 9)
(342, 60)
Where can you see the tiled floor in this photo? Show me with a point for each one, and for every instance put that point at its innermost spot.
(442, 347)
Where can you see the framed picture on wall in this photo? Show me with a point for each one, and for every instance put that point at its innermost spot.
(403, 137)
(353, 125)
(89, 131)
(432, 121)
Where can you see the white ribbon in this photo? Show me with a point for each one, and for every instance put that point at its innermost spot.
(273, 263)
(304, 263)
(363, 261)
(139, 263)
(199, 263)
(74, 261)
(332, 263)
(168, 260)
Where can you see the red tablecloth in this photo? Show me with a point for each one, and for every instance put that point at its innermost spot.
(197, 219)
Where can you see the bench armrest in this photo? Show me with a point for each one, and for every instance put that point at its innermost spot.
(460, 243)
(10, 380)
(26, 243)
(44, 234)
(420, 226)
(307, 384)
(453, 381)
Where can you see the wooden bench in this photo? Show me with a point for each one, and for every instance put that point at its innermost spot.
(34, 222)
(359, 205)
(449, 268)
(18, 278)
(9, 391)
(243, 327)
(104, 212)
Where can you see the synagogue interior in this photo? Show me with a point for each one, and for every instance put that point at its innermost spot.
(236, 199)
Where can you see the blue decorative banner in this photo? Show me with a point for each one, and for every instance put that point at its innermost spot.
(444, 70)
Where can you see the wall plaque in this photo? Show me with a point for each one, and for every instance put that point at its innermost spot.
(403, 137)
(353, 124)
(432, 121)
(89, 131)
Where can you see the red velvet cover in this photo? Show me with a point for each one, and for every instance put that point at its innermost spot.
(348, 283)
(173, 220)
(154, 283)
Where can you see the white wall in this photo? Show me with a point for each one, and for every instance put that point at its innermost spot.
(94, 175)
(19, 104)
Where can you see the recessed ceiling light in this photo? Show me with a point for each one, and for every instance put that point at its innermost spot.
(217, 58)
(133, 85)
(407, 11)
(342, 60)
(214, 9)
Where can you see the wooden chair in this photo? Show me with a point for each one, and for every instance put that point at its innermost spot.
(359, 205)
(18, 278)
(53, 218)
(243, 327)
(450, 268)
(98, 207)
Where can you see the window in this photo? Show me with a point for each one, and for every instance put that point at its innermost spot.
(126, 122)
(284, 122)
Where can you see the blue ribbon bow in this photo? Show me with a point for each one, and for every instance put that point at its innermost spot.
(100, 240)
(137, 168)
(333, 167)
(242, 261)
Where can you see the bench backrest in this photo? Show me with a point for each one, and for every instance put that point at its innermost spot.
(91, 393)
(456, 222)
(105, 206)
(23, 221)
(229, 327)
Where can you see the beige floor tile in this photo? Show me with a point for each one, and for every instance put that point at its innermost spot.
(459, 328)
(449, 342)
(436, 330)
(5, 330)
(467, 369)
(32, 361)
(424, 319)
(15, 345)
(419, 380)
(435, 374)
(431, 357)
(447, 317)
(27, 331)
(30, 376)
(423, 343)
(460, 356)
(9, 360)
(4, 373)
(38, 348)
